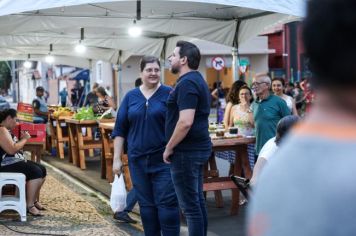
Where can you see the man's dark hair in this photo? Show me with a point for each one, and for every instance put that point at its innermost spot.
(284, 125)
(148, 59)
(329, 35)
(191, 51)
(138, 82)
(39, 88)
(7, 112)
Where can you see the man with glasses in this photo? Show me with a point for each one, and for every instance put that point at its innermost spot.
(267, 110)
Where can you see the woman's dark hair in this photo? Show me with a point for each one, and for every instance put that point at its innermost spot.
(246, 87)
(233, 95)
(148, 59)
(217, 84)
(280, 80)
(138, 82)
(191, 51)
(7, 112)
(101, 90)
(284, 126)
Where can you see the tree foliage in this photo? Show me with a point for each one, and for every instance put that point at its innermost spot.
(5, 75)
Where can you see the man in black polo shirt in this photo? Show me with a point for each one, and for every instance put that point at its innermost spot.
(189, 145)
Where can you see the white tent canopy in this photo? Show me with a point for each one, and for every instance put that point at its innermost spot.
(289, 7)
(34, 24)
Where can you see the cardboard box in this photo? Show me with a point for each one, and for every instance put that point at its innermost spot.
(37, 131)
(24, 112)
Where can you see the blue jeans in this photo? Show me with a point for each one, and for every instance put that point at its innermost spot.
(130, 200)
(155, 193)
(187, 175)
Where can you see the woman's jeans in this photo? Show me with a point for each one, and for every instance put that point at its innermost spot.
(153, 184)
(187, 175)
(131, 200)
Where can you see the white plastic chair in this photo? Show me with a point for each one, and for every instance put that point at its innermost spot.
(14, 202)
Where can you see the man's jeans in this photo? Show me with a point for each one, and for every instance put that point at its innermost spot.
(154, 188)
(187, 175)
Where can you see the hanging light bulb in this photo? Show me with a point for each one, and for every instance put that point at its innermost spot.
(80, 48)
(27, 64)
(49, 58)
(135, 31)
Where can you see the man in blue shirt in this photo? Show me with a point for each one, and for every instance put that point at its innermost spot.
(63, 95)
(189, 145)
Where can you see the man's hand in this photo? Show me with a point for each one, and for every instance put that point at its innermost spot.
(116, 168)
(167, 153)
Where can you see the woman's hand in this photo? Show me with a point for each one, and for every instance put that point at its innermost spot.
(116, 168)
(25, 135)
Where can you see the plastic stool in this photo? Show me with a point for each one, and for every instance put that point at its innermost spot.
(15, 202)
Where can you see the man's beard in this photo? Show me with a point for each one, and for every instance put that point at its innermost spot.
(174, 69)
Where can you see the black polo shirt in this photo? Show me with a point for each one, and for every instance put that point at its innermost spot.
(190, 92)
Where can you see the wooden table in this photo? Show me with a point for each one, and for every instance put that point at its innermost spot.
(107, 155)
(216, 183)
(36, 149)
(59, 133)
(79, 143)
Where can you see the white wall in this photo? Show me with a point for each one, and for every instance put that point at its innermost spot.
(28, 85)
(101, 72)
(259, 63)
(130, 72)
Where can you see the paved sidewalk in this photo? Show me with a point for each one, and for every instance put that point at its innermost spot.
(70, 211)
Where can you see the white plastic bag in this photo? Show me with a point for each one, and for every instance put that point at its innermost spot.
(118, 194)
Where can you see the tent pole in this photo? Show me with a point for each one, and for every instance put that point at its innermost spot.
(91, 77)
(163, 60)
(235, 51)
(119, 75)
(235, 64)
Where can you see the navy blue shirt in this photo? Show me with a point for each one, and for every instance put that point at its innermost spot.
(190, 92)
(141, 122)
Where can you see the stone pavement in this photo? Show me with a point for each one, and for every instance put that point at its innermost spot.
(70, 211)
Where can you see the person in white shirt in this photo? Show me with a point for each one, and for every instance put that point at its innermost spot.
(269, 149)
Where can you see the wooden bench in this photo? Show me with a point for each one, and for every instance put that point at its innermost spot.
(212, 179)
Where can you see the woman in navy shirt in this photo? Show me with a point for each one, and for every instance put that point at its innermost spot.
(141, 122)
